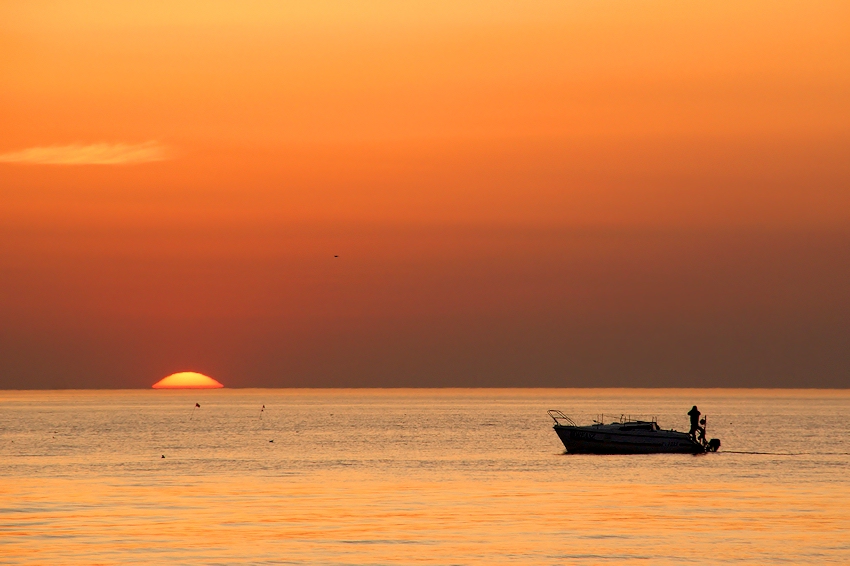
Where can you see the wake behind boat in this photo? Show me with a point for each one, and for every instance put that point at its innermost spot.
(627, 436)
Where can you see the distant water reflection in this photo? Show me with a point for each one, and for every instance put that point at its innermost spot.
(416, 476)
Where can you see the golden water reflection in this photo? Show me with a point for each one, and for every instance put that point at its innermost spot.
(396, 479)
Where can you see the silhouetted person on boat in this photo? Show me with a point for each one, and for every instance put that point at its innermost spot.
(695, 424)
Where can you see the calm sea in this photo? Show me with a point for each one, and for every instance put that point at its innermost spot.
(416, 477)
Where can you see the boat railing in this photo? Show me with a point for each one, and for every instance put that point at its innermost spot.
(563, 420)
(558, 416)
(624, 419)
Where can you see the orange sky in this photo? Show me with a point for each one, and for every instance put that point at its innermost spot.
(552, 193)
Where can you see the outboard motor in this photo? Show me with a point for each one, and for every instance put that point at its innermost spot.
(713, 444)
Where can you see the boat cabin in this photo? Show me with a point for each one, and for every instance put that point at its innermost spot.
(640, 426)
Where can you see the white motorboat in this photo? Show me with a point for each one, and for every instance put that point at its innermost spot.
(627, 436)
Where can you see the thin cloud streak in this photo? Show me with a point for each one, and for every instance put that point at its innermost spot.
(92, 154)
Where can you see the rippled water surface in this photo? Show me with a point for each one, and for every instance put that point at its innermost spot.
(416, 476)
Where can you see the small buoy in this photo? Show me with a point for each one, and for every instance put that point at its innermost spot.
(163, 455)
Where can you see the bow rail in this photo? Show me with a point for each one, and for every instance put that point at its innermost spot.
(558, 416)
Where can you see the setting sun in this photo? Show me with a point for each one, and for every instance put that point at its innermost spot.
(187, 380)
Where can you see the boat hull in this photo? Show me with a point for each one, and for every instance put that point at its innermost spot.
(611, 440)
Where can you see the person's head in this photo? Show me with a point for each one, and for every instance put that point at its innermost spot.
(695, 408)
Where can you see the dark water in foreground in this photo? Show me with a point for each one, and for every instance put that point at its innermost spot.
(416, 476)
